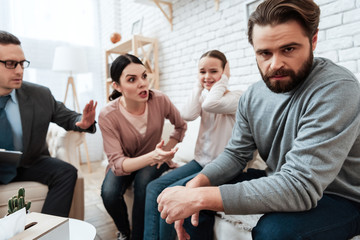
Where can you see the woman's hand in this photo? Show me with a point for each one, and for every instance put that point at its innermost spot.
(156, 157)
(160, 155)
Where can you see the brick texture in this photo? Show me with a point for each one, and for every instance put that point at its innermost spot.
(198, 27)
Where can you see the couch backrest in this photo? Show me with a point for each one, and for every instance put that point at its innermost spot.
(187, 146)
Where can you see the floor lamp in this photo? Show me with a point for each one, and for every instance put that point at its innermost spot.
(72, 60)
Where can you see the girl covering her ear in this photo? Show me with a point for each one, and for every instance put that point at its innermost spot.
(216, 106)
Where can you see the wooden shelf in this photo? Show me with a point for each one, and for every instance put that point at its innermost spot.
(164, 6)
(217, 4)
(167, 14)
(145, 48)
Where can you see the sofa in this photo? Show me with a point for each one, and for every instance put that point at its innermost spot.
(63, 145)
(227, 227)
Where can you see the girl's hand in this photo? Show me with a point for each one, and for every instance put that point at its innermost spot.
(199, 84)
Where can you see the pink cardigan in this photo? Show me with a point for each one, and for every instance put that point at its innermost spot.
(122, 140)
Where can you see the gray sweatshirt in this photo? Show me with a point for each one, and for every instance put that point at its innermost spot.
(308, 137)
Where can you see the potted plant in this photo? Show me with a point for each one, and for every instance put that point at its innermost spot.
(14, 222)
(18, 202)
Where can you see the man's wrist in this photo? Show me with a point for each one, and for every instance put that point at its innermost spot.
(199, 181)
(92, 128)
(209, 198)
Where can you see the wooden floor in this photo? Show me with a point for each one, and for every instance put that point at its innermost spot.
(95, 212)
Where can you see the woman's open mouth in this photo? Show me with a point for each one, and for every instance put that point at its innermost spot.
(143, 94)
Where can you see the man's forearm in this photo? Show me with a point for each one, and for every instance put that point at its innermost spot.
(209, 197)
(199, 181)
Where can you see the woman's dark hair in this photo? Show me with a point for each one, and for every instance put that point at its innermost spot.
(8, 38)
(216, 54)
(272, 12)
(116, 69)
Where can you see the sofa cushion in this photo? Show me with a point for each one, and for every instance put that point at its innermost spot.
(186, 149)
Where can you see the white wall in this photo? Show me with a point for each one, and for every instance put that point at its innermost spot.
(198, 27)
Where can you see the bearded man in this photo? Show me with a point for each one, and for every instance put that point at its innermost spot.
(304, 119)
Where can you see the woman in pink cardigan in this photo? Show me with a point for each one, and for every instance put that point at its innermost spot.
(131, 125)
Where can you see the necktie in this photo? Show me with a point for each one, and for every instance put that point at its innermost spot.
(7, 172)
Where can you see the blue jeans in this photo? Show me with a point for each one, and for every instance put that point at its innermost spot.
(155, 226)
(113, 189)
(334, 218)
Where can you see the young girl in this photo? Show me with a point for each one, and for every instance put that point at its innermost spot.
(216, 106)
(131, 126)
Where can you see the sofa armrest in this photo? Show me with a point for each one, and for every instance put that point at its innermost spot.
(77, 209)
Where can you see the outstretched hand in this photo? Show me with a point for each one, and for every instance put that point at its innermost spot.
(88, 117)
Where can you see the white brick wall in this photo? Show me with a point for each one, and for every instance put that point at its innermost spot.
(198, 27)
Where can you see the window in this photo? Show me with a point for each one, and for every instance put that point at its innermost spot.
(41, 26)
(66, 20)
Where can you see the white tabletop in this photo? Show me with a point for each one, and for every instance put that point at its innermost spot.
(50, 227)
(80, 230)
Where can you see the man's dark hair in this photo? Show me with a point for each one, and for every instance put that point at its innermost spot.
(8, 38)
(273, 12)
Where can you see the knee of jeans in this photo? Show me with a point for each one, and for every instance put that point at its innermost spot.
(270, 230)
(140, 186)
(110, 195)
(152, 189)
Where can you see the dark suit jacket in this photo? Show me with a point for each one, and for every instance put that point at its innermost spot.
(37, 109)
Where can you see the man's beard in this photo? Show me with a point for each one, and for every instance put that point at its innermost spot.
(295, 79)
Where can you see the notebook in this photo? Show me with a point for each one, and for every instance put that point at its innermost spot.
(10, 157)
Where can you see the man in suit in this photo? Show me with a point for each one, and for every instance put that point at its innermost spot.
(29, 108)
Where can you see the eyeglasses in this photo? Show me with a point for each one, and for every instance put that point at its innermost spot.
(13, 64)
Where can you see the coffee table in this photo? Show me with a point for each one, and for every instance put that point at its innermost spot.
(49, 227)
(81, 230)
